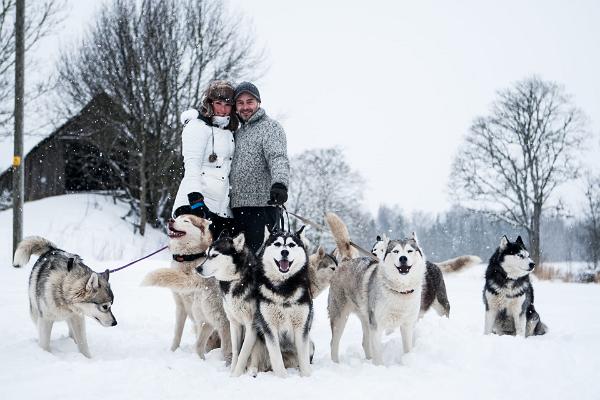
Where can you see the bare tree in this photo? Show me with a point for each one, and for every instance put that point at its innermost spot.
(153, 59)
(591, 221)
(513, 160)
(321, 180)
(41, 17)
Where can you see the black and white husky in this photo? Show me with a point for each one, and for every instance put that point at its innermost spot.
(284, 304)
(231, 263)
(508, 294)
(63, 288)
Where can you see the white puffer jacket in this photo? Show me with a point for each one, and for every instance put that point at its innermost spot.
(209, 178)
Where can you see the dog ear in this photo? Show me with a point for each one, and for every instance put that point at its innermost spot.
(504, 242)
(385, 238)
(92, 283)
(105, 274)
(239, 241)
(414, 237)
(300, 233)
(267, 234)
(520, 241)
(321, 252)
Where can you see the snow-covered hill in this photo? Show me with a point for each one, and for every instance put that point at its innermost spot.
(452, 359)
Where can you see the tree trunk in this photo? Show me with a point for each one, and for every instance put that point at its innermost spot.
(534, 236)
(143, 185)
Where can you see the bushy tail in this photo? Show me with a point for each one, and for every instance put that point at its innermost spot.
(341, 236)
(31, 245)
(458, 263)
(173, 279)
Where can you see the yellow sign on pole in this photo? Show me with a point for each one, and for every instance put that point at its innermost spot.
(16, 161)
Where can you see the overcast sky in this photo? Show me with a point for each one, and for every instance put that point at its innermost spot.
(397, 84)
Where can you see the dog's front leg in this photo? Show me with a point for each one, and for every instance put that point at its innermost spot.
(366, 339)
(407, 331)
(302, 350)
(236, 339)
(204, 332)
(521, 325)
(44, 332)
(274, 349)
(247, 346)
(490, 320)
(376, 346)
(77, 323)
(180, 317)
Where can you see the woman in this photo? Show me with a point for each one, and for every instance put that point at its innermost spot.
(207, 146)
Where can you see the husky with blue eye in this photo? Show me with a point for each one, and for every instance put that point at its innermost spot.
(508, 294)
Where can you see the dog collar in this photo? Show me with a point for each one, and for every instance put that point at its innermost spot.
(188, 257)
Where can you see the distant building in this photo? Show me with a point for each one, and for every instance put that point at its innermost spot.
(67, 161)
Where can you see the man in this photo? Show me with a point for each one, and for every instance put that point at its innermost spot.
(260, 168)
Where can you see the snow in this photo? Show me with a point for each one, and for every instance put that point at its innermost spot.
(452, 359)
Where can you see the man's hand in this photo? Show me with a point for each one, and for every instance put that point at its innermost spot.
(279, 194)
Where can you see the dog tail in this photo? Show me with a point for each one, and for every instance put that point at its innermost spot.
(31, 245)
(341, 236)
(173, 279)
(458, 263)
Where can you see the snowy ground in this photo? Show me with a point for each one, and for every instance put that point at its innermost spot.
(451, 358)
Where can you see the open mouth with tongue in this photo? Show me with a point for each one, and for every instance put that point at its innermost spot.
(283, 265)
(174, 233)
(403, 269)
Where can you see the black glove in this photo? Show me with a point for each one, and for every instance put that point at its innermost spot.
(279, 194)
(197, 205)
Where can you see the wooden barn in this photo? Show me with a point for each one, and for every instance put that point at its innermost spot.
(69, 160)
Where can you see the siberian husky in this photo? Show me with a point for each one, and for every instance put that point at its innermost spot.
(195, 297)
(384, 295)
(63, 288)
(231, 263)
(508, 294)
(284, 303)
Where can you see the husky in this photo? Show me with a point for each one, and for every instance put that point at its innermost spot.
(321, 267)
(508, 294)
(63, 288)
(284, 305)
(383, 294)
(434, 291)
(231, 263)
(196, 298)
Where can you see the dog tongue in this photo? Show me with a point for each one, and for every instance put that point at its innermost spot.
(284, 265)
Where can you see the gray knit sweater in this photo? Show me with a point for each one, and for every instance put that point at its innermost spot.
(260, 159)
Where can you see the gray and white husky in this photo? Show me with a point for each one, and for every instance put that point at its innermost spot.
(63, 288)
(284, 303)
(508, 294)
(384, 295)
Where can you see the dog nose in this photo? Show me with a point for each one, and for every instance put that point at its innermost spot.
(114, 323)
(285, 253)
(403, 259)
(199, 269)
(531, 266)
(171, 220)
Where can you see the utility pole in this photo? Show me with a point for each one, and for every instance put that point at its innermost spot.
(18, 165)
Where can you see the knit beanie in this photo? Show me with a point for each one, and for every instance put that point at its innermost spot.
(246, 87)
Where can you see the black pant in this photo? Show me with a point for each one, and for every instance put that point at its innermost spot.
(252, 221)
(221, 225)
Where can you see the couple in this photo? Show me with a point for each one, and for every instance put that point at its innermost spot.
(236, 164)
